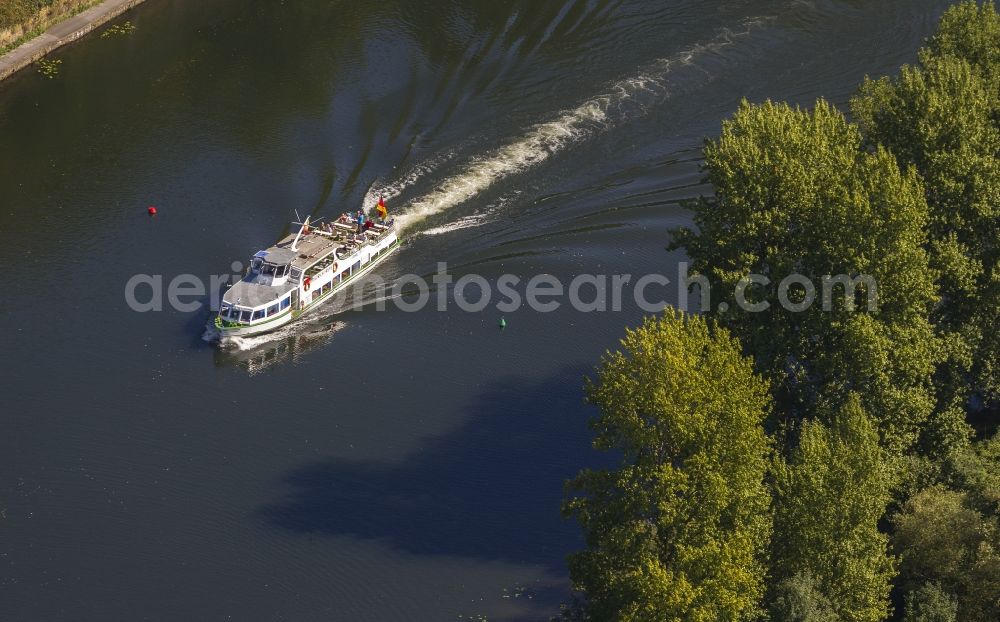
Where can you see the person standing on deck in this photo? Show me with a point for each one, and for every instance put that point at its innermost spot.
(361, 221)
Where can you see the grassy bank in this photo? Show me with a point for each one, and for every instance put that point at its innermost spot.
(21, 20)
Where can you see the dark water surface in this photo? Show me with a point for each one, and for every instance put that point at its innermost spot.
(400, 466)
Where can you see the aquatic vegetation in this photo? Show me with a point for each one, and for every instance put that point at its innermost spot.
(517, 592)
(49, 67)
(118, 30)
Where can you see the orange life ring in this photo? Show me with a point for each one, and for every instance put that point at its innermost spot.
(306, 283)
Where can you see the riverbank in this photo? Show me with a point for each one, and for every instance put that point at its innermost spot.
(62, 32)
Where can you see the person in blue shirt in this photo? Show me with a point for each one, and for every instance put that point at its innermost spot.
(361, 221)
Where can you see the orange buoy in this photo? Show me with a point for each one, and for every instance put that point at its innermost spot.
(151, 211)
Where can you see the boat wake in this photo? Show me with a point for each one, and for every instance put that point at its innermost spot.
(623, 100)
(465, 222)
(302, 328)
(412, 176)
(473, 220)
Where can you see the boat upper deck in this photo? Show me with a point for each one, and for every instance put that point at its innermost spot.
(324, 239)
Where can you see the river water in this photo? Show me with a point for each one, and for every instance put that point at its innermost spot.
(371, 464)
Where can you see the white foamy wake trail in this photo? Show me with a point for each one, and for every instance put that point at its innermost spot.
(411, 177)
(465, 222)
(473, 220)
(623, 99)
(536, 146)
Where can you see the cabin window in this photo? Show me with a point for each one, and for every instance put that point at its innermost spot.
(296, 274)
(286, 302)
(272, 309)
(327, 287)
(357, 264)
(255, 265)
(245, 316)
(226, 310)
(258, 314)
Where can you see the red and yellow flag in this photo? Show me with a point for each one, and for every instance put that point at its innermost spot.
(382, 212)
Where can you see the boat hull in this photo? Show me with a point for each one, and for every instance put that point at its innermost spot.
(228, 333)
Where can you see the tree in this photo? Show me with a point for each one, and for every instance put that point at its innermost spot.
(930, 604)
(798, 599)
(943, 117)
(972, 32)
(943, 540)
(829, 497)
(975, 470)
(678, 530)
(796, 194)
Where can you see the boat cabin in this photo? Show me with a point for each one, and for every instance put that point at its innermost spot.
(272, 267)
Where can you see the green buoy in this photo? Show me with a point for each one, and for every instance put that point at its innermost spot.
(503, 323)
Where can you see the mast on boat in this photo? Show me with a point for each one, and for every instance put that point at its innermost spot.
(303, 229)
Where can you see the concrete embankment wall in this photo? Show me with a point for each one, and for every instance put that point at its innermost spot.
(61, 30)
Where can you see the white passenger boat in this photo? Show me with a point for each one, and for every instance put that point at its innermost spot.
(301, 272)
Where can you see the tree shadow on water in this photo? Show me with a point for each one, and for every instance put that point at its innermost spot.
(490, 489)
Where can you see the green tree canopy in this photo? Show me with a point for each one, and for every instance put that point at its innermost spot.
(930, 603)
(975, 470)
(829, 497)
(799, 599)
(942, 539)
(679, 529)
(970, 31)
(943, 116)
(796, 194)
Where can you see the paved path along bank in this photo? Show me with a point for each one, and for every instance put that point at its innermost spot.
(60, 34)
